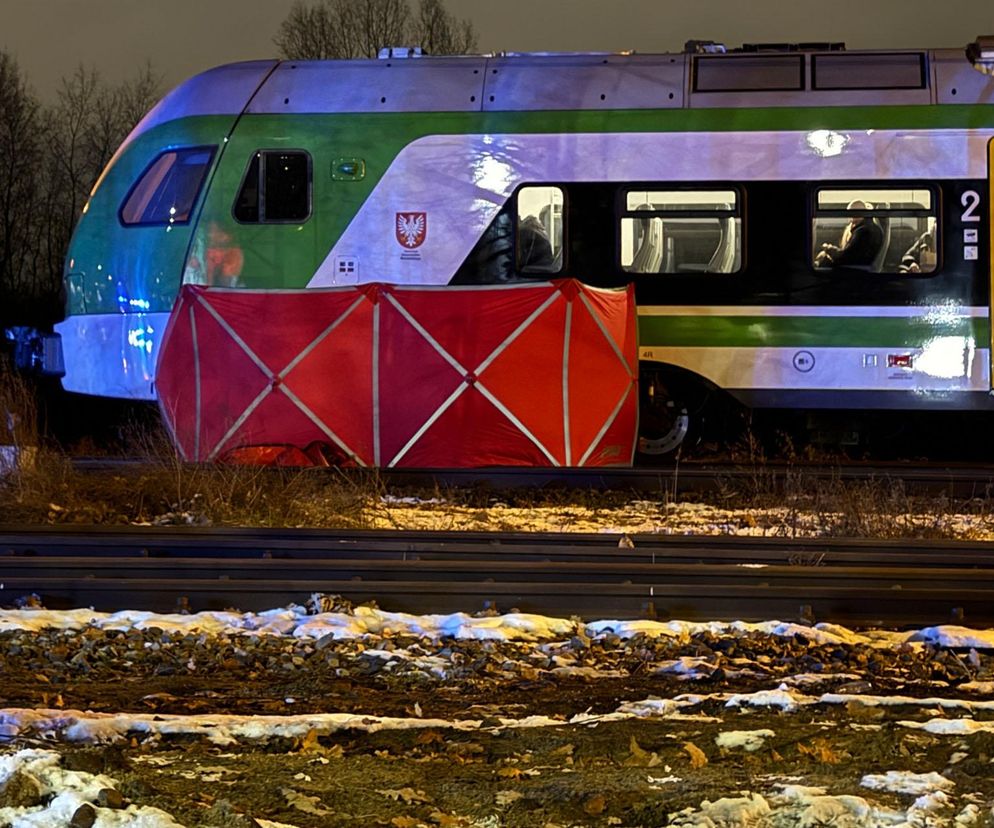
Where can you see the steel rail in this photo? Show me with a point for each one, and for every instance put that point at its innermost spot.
(192, 542)
(300, 544)
(669, 577)
(958, 480)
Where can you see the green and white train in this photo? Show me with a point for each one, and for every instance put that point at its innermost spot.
(711, 180)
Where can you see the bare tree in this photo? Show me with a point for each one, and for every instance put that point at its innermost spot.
(309, 33)
(85, 127)
(360, 28)
(438, 32)
(373, 24)
(20, 159)
(135, 97)
(49, 161)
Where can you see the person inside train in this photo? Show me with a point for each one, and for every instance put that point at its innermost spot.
(534, 247)
(859, 245)
(911, 261)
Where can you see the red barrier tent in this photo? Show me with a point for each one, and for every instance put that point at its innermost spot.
(536, 374)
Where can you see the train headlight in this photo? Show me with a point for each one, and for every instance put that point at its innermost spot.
(980, 53)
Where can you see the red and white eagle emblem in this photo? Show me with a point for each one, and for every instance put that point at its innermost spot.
(411, 229)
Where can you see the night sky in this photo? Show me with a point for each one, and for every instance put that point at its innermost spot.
(49, 38)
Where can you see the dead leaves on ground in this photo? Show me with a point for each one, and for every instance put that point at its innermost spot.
(595, 805)
(405, 795)
(820, 751)
(440, 818)
(641, 757)
(310, 743)
(698, 759)
(305, 803)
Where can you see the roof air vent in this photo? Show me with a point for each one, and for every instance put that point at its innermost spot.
(793, 47)
(981, 54)
(391, 52)
(704, 47)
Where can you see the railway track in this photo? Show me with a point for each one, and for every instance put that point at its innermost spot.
(664, 577)
(958, 481)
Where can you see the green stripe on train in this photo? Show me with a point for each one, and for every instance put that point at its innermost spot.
(812, 331)
(271, 259)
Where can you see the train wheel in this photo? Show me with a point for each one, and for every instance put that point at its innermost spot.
(664, 418)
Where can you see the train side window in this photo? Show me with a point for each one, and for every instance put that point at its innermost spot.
(878, 230)
(681, 231)
(168, 188)
(538, 244)
(276, 188)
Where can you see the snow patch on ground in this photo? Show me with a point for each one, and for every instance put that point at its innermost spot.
(68, 791)
(907, 782)
(951, 727)
(798, 805)
(366, 621)
(748, 740)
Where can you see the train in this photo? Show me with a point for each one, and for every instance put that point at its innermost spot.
(730, 186)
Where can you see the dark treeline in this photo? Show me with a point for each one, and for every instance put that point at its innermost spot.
(50, 158)
(52, 154)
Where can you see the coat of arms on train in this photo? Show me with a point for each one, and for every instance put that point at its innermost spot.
(411, 229)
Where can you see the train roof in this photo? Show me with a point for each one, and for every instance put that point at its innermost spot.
(818, 75)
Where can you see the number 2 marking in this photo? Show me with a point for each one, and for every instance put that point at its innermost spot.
(971, 201)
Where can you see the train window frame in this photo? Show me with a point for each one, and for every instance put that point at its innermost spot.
(170, 221)
(791, 60)
(262, 153)
(860, 190)
(623, 212)
(533, 272)
(858, 58)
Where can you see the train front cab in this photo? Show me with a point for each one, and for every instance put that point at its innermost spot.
(126, 259)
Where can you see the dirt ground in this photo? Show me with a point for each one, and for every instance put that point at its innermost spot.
(623, 773)
(506, 770)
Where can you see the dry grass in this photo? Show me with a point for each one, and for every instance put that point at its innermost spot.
(158, 488)
(56, 492)
(872, 508)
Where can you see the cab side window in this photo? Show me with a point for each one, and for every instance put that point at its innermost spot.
(875, 229)
(167, 189)
(681, 231)
(276, 188)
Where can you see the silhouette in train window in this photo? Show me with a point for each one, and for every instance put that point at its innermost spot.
(876, 230)
(923, 250)
(861, 242)
(681, 231)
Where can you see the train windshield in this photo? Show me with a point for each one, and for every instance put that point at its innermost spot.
(168, 188)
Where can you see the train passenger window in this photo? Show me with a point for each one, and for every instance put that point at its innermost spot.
(875, 229)
(276, 188)
(166, 191)
(749, 73)
(539, 238)
(906, 70)
(681, 231)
